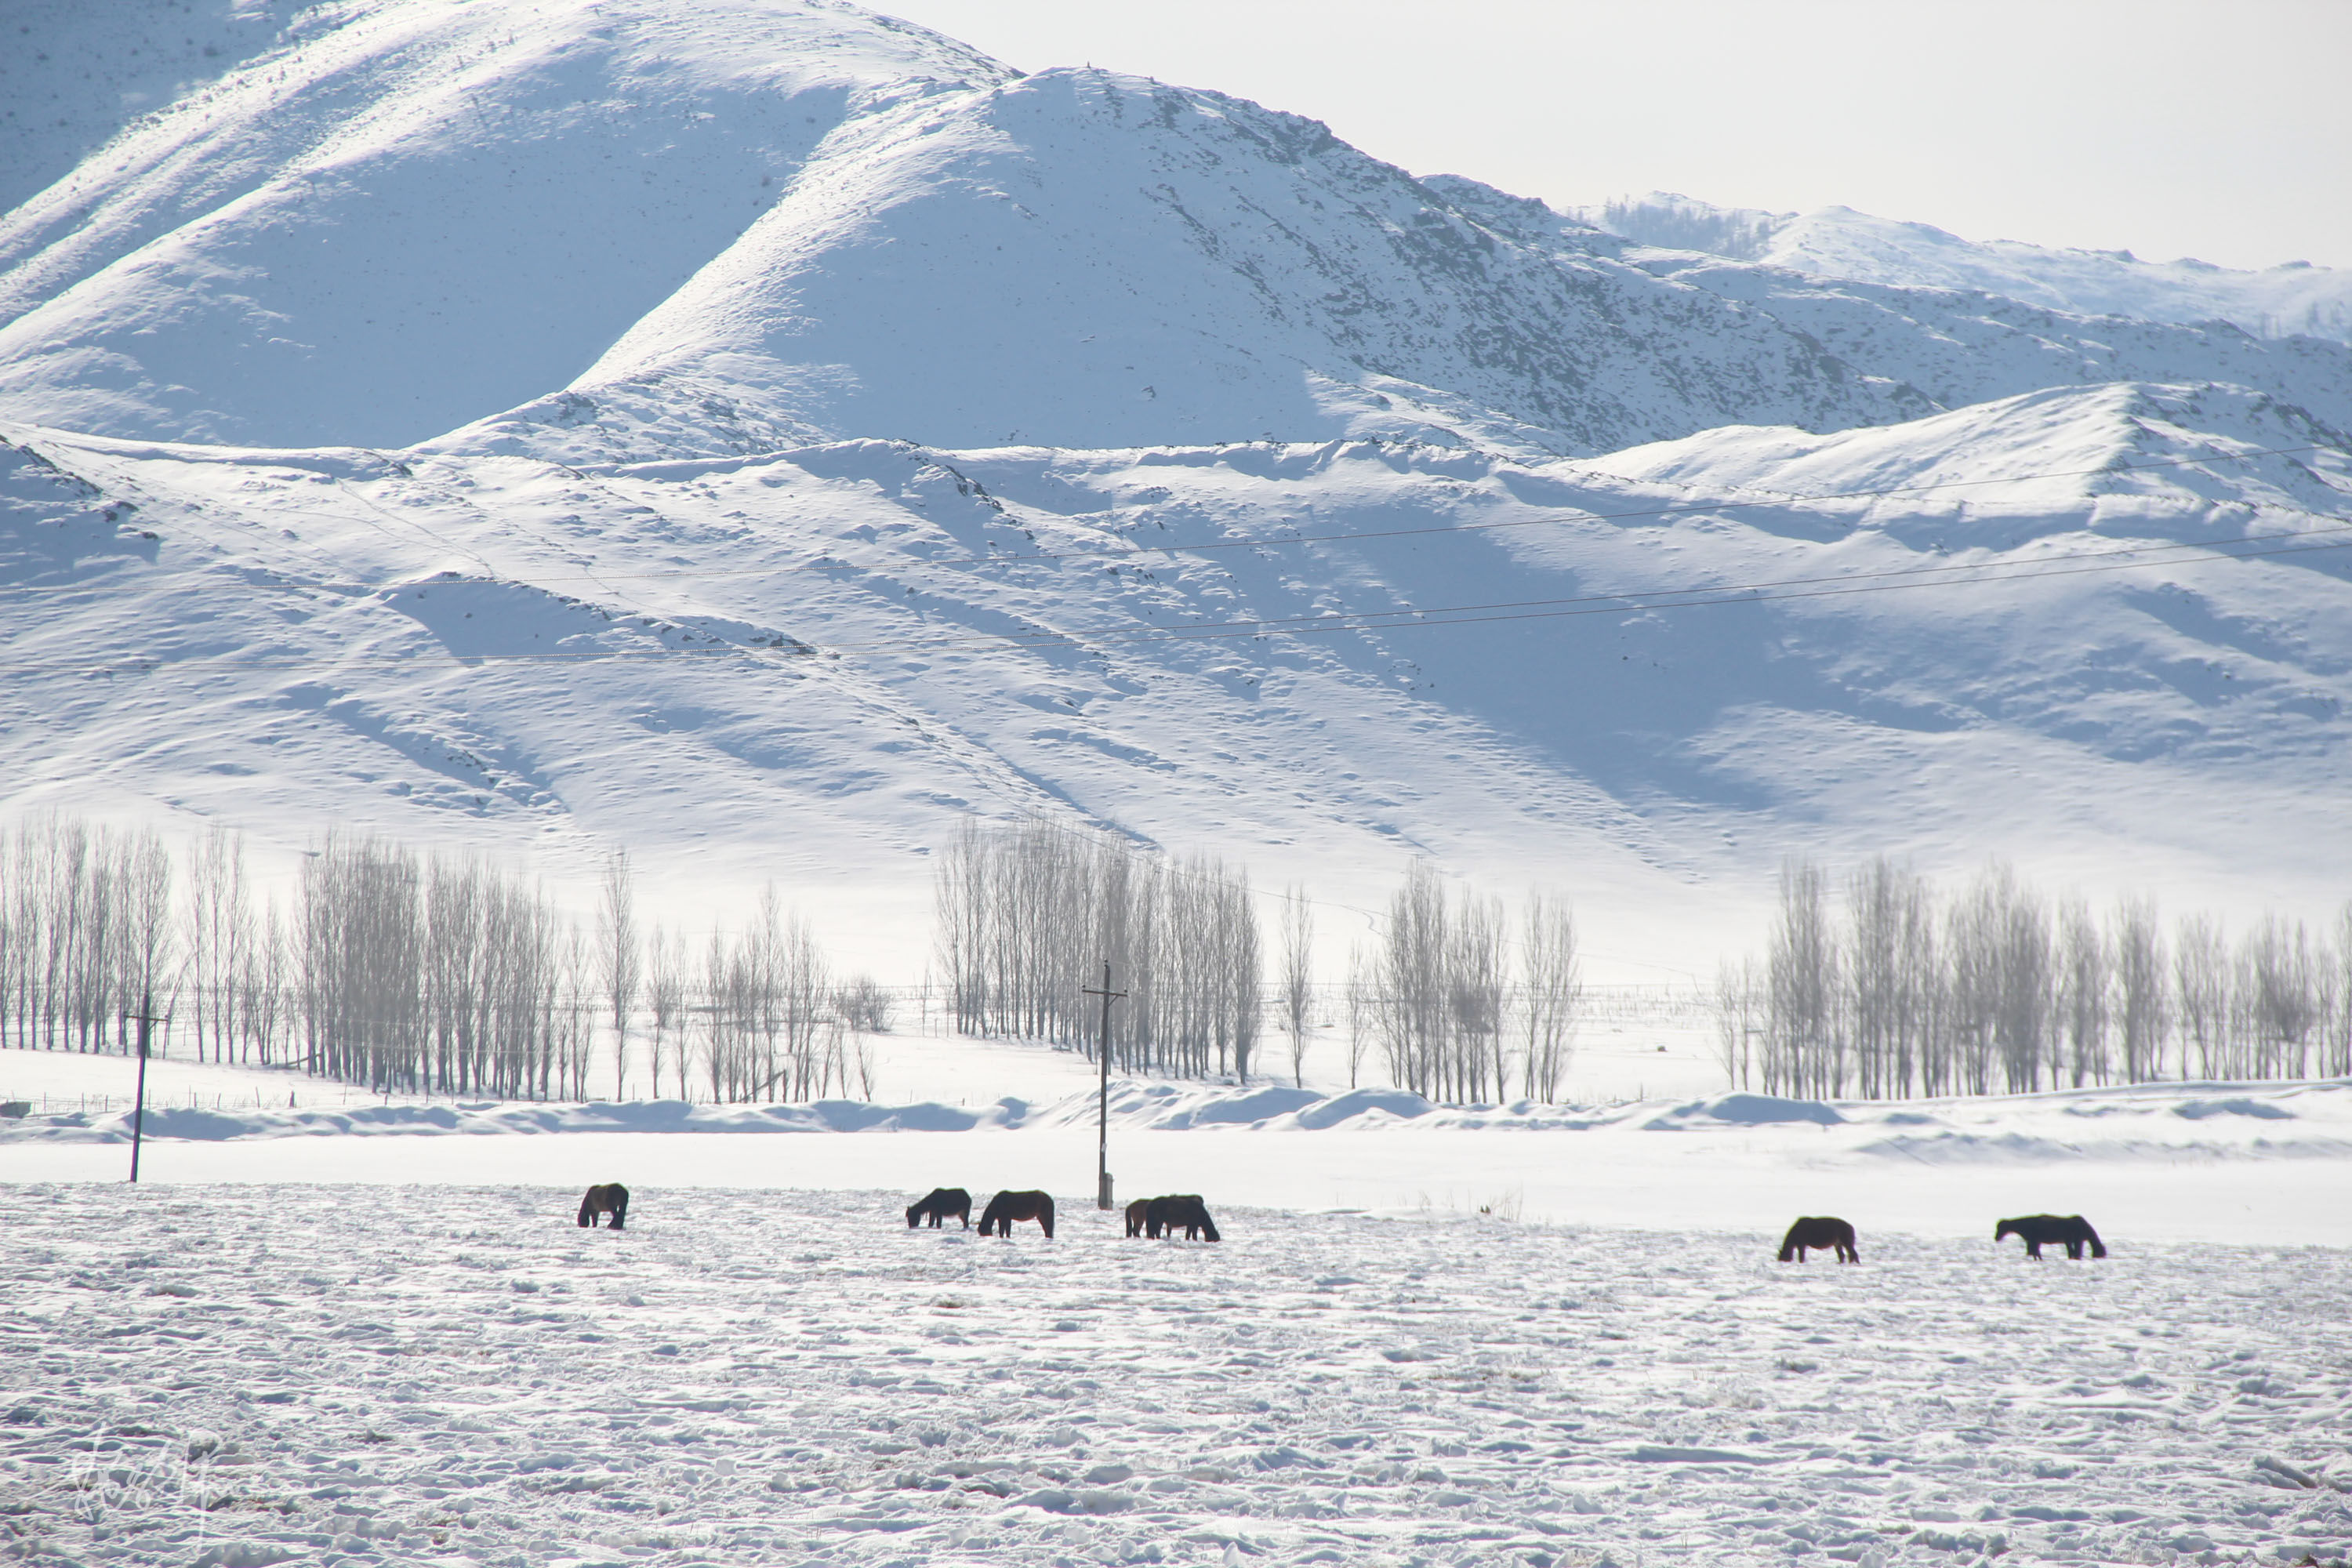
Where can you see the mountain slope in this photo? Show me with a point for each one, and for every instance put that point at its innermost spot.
(76, 73)
(1645, 679)
(1084, 260)
(419, 213)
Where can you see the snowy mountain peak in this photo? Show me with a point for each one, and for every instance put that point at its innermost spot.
(413, 213)
(1839, 242)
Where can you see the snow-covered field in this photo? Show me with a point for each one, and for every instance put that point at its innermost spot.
(451, 1374)
(370, 1331)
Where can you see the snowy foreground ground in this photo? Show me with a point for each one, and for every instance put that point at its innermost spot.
(233, 1375)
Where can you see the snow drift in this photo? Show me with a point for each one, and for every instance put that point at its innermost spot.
(2166, 1121)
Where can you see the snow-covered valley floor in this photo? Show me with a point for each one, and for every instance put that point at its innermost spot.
(232, 1374)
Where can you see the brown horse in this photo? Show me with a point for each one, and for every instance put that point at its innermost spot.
(2070, 1231)
(1180, 1211)
(1136, 1212)
(943, 1202)
(612, 1198)
(1820, 1232)
(1006, 1207)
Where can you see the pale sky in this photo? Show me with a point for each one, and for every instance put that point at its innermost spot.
(2218, 129)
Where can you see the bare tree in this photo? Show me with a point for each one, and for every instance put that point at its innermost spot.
(1476, 982)
(2202, 972)
(666, 997)
(2082, 984)
(1888, 967)
(619, 958)
(1026, 914)
(1298, 975)
(1739, 1018)
(1804, 1049)
(219, 926)
(1363, 1009)
(1552, 994)
(864, 1005)
(2278, 983)
(147, 971)
(2338, 1063)
(1413, 1016)
(2143, 1014)
(264, 1004)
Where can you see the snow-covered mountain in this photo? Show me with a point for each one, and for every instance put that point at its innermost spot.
(1838, 242)
(764, 433)
(643, 229)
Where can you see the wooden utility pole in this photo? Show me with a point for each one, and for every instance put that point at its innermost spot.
(145, 1018)
(1102, 1106)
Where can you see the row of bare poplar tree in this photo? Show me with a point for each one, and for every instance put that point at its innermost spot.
(1456, 1006)
(438, 973)
(1028, 915)
(1996, 988)
(1456, 1014)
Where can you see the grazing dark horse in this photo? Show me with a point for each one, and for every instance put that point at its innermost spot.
(1006, 1207)
(943, 1202)
(1820, 1232)
(2041, 1230)
(1136, 1213)
(612, 1198)
(1180, 1211)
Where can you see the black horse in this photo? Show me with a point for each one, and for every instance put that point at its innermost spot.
(1137, 1212)
(1821, 1233)
(612, 1198)
(2039, 1230)
(1180, 1211)
(1006, 1207)
(943, 1202)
